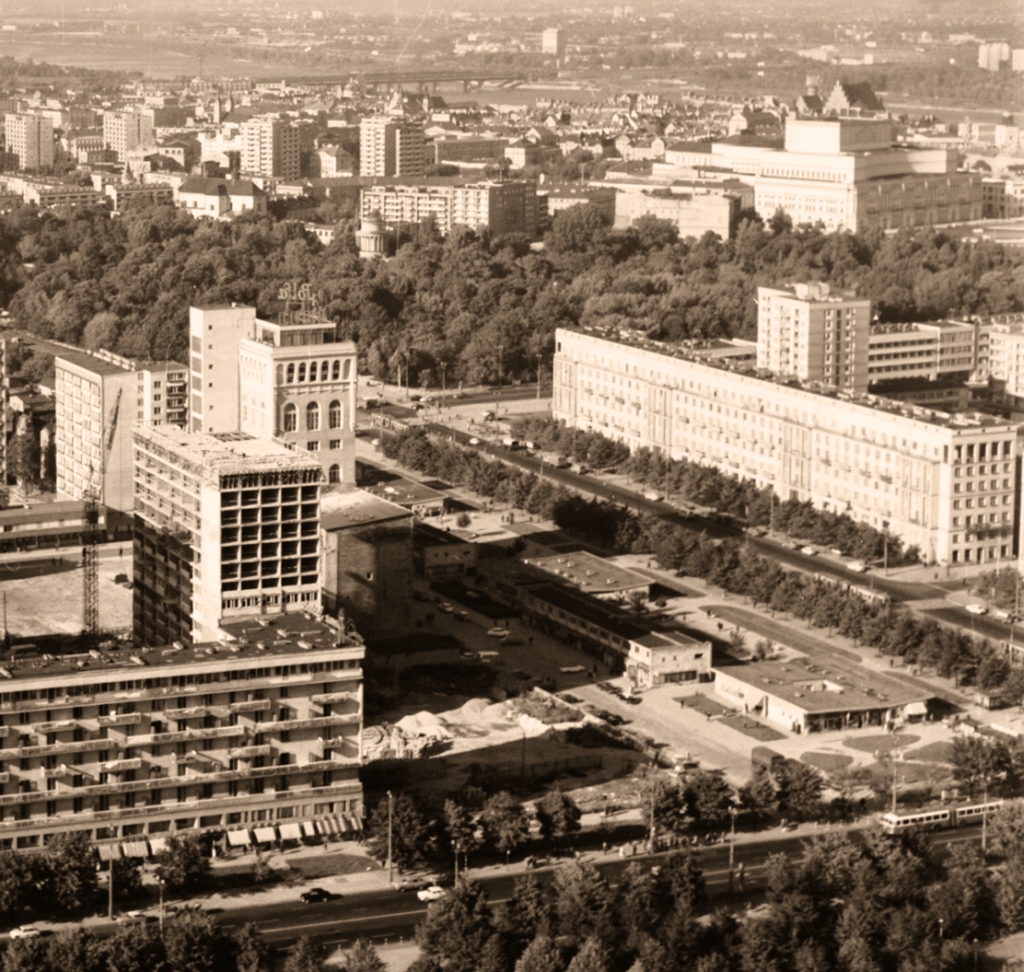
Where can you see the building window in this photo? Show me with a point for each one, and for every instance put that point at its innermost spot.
(312, 446)
(334, 444)
(312, 417)
(334, 474)
(290, 375)
(334, 414)
(335, 370)
(291, 420)
(312, 371)
(302, 371)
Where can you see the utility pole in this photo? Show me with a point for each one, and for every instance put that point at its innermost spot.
(653, 826)
(444, 369)
(497, 400)
(110, 892)
(391, 862)
(984, 821)
(538, 376)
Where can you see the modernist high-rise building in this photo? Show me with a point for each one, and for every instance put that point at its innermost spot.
(809, 331)
(289, 380)
(389, 147)
(124, 131)
(29, 141)
(552, 41)
(270, 148)
(253, 737)
(99, 398)
(226, 527)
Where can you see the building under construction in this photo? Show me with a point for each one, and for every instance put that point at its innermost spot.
(226, 528)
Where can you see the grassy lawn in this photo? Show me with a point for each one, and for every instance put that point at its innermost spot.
(882, 744)
(827, 762)
(936, 752)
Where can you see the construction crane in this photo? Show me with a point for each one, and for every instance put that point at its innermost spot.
(91, 536)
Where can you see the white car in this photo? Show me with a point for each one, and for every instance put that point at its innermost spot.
(571, 669)
(25, 931)
(809, 551)
(474, 441)
(446, 607)
(497, 633)
(977, 609)
(433, 893)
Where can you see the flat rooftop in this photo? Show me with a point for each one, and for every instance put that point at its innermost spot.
(591, 574)
(681, 352)
(270, 636)
(342, 507)
(405, 492)
(89, 362)
(595, 611)
(833, 687)
(226, 452)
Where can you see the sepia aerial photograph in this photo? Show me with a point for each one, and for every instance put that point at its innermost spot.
(511, 487)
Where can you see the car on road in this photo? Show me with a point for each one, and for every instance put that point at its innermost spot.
(836, 551)
(1002, 615)
(315, 895)
(461, 615)
(25, 931)
(977, 609)
(132, 918)
(857, 566)
(809, 551)
(474, 441)
(791, 544)
(433, 893)
(446, 607)
(632, 699)
(427, 399)
(611, 718)
(570, 698)
(571, 669)
(497, 632)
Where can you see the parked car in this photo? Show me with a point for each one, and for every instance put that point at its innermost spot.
(132, 918)
(433, 893)
(836, 551)
(461, 615)
(446, 607)
(474, 441)
(571, 669)
(857, 566)
(809, 551)
(25, 931)
(977, 609)
(497, 632)
(315, 895)
(1002, 615)
(427, 399)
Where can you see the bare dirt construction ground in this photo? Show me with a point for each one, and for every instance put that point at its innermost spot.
(44, 597)
(530, 742)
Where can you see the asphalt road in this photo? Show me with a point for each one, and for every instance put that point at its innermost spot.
(395, 914)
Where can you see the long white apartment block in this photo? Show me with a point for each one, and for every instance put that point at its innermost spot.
(946, 484)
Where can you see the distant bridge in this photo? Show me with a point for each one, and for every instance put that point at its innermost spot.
(423, 79)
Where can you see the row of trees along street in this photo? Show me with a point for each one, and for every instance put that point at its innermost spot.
(731, 563)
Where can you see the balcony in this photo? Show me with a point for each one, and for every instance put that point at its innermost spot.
(57, 749)
(193, 712)
(321, 722)
(331, 697)
(42, 728)
(258, 705)
(121, 765)
(250, 752)
(126, 719)
(189, 735)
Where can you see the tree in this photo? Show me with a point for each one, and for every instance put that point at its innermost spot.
(977, 761)
(681, 881)
(583, 900)
(505, 823)
(127, 878)
(253, 952)
(23, 457)
(592, 957)
(665, 799)
(363, 957)
(559, 817)
(1006, 829)
(526, 913)
(182, 865)
(15, 882)
(25, 955)
(307, 955)
(457, 927)
(411, 833)
(799, 789)
(963, 902)
(135, 947)
(708, 797)
(195, 942)
(71, 869)
(75, 950)
(541, 955)
(461, 830)
(637, 908)
(758, 797)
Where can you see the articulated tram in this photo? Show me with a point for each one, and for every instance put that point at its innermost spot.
(938, 818)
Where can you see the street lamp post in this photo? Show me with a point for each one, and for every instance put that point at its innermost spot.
(391, 860)
(732, 842)
(444, 368)
(160, 882)
(497, 400)
(538, 377)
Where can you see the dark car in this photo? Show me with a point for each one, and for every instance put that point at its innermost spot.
(315, 895)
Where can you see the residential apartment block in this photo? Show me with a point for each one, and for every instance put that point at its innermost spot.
(124, 131)
(227, 527)
(940, 349)
(270, 148)
(258, 729)
(808, 331)
(29, 141)
(946, 484)
(391, 148)
(98, 399)
(499, 207)
(290, 380)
